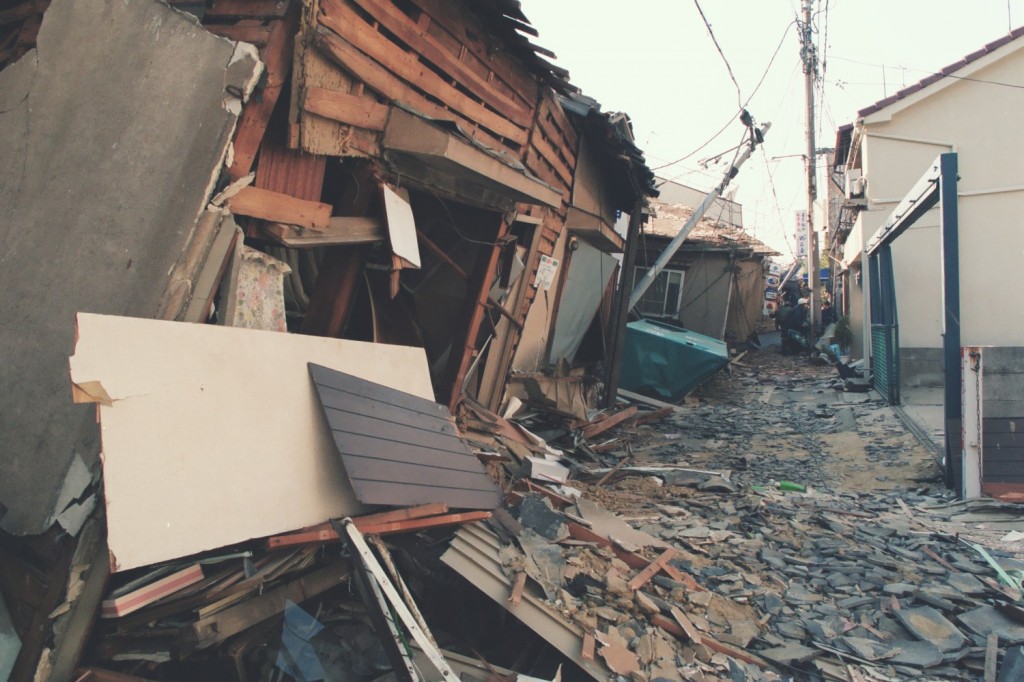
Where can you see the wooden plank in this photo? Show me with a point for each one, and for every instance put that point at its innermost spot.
(653, 415)
(340, 231)
(359, 111)
(252, 125)
(214, 629)
(420, 524)
(147, 594)
(991, 657)
(464, 347)
(420, 40)
(686, 625)
(595, 429)
(517, 588)
(621, 463)
(326, 533)
(649, 572)
(263, 9)
(255, 35)
(470, 40)
(280, 208)
(589, 645)
(341, 273)
(404, 72)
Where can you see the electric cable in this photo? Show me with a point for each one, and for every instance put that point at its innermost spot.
(728, 67)
(757, 87)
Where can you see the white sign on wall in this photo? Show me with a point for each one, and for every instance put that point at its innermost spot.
(801, 234)
(546, 272)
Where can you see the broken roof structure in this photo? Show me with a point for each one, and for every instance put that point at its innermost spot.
(720, 274)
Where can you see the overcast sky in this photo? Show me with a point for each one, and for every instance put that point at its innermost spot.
(655, 60)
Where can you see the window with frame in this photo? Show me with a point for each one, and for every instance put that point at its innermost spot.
(662, 299)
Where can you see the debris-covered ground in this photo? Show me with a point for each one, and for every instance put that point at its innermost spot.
(771, 528)
(819, 529)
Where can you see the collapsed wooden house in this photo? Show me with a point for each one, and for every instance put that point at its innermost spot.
(410, 172)
(715, 283)
(460, 120)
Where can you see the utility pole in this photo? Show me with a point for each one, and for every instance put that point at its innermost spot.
(756, 136)
(810, 60)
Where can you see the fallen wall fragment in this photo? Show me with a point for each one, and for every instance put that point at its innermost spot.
(214, 435)
(473, 554)
(400, 449)
(108, 162)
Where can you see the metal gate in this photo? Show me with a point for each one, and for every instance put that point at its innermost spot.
(885, 334)
(885, 348)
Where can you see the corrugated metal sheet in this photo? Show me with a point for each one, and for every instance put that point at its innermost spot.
(473, 554)
(399, 449)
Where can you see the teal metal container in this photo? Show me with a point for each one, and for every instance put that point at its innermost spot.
(664, 361)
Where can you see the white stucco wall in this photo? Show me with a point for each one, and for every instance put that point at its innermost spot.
(980, 120)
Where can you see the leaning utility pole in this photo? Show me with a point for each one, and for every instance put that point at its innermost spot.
(756, 136)
(810, 59)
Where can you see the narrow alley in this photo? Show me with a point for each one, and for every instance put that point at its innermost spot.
(363, 341)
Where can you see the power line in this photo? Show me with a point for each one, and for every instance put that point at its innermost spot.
(757, 87)
(728, 67)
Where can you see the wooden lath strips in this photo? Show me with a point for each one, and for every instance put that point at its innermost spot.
(380, 80)
(433, 51)
(553, 158)
(554, 119)
(538, 164)
(446, 15)
(264, 9)
(350, 26)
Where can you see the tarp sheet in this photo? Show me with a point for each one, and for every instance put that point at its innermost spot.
(667, 362)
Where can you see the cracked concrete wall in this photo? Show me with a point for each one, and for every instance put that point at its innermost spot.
(112, 132)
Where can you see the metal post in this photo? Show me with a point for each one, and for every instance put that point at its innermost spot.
(620, 314)
(971, 432)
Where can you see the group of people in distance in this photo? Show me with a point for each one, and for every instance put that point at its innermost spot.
(793, 320)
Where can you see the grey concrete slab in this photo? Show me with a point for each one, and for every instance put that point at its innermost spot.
(112, 132)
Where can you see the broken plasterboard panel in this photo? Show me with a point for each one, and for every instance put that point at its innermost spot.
(138, 102)
(401, 226)
(214, 435)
